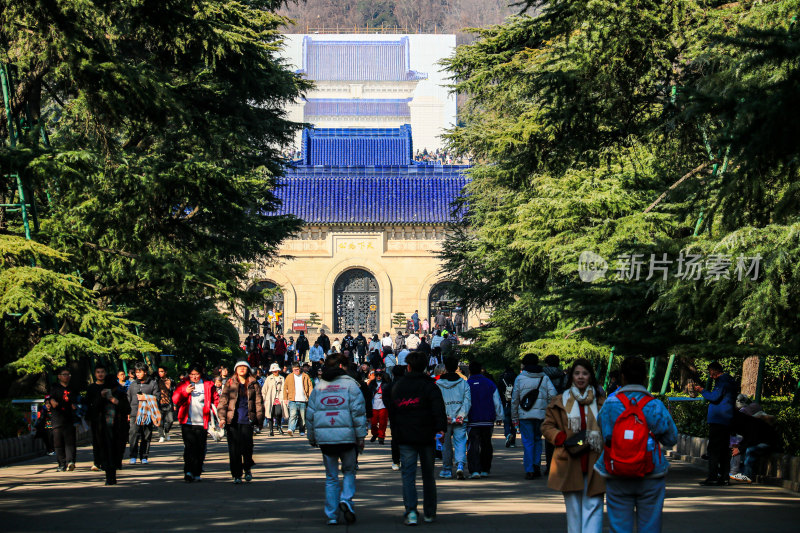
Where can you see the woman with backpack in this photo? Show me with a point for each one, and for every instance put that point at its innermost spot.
(571, 425)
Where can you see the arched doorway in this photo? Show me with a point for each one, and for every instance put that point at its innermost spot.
(356, 302)
(441, 299)
(259, 314)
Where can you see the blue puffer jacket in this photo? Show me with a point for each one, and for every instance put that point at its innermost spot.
(722, 400)
(659, 422)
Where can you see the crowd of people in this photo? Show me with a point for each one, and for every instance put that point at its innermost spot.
(598, 446)
(441, 156)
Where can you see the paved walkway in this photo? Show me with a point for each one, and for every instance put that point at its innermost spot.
(287, 495)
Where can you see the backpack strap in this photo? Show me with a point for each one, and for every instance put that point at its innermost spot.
(626, 403)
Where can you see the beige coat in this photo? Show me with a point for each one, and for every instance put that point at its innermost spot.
(288, 389)
(565, 470)
(273, 388)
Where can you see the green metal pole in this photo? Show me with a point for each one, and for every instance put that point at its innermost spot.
(125, 368)
(667, 375)
(608, 368)
(651, 375)
(6, 83)
(24, 207)
(760, 379)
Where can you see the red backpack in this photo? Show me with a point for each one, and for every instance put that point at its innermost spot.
(627, 455)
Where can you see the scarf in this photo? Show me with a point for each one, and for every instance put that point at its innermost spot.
(572, 399)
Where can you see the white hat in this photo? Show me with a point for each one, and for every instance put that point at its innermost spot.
(274, 367)
(242, 363)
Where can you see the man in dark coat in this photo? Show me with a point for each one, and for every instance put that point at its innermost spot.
(722, 404)
(418, 416)
(302, 346)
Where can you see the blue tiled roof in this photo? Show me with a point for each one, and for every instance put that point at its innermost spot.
(358, 61)
(357, 146)
(347, 107)
(420, 194)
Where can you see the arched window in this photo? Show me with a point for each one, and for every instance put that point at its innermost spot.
(355, 302)
(258, 315)
(442, 301)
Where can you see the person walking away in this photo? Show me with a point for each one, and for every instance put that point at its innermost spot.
(531, 395)
(458, 324)
(386, 341)
(108, 412)
(412, 342)
(280, 350)
(272, 393)
(505, 386)
(165, 389)
(722, 404)
(415, 321)
(446, 346)
(389, 361)
(485, 408)
(296, 392)
(375, 347)
(417, 414)
(140, 433)
(552, 369)
(302, 346)
(241, 407)
(399, 341)
(380, 414)
(337, 423)
(361, 348)
(398, 372)
(62, 415)
(633, 461)
(457, 403)
(194, 399)
(571, 424)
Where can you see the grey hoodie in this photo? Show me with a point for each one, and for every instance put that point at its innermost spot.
(457, 398)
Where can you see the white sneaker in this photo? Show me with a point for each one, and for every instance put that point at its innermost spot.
(395, 467)
(741, 477)
(167, 438)
(475, 475)
(161, 439)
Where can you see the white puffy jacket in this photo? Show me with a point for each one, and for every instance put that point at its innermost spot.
(525, 382)
(336, 413)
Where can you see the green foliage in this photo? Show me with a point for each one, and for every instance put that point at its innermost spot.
(613, 127)
(399, 320)
(166, 123)
(12, 420)
(314, 320)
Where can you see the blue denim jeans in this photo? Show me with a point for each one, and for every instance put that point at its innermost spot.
(334, 493)
(295, 409)
(455, 436)
(408, 467)
(508, 424)
(751, 455)
(638, 501)
(531, 430)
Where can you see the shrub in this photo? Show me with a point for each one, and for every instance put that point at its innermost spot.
(12, 420)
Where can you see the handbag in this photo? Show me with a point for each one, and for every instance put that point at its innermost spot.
(529, 400)
(214, 430)
(577, 444)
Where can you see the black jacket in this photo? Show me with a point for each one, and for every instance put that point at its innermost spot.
(424, 347)
(416, 410)
(361, 346)
(62, 414)
(302, 344)
(325, 342)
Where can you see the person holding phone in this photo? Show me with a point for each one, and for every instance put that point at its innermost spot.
(240, 408)
(194, 398)
(140, 435)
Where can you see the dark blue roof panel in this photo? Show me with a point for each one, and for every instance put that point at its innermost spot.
(336, 195)
(357, 146)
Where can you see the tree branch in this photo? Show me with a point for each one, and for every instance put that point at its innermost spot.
(127, 287)
(684, 178)
(586, 327)
(110, 250)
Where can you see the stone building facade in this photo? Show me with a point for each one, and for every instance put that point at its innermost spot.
(373, 230)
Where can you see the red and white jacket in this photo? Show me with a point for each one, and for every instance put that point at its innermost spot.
(183, 400)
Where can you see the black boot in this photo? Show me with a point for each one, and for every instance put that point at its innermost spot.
(537, 471)
(271, 431)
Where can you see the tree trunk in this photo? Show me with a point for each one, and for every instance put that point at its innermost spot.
(750, 375)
